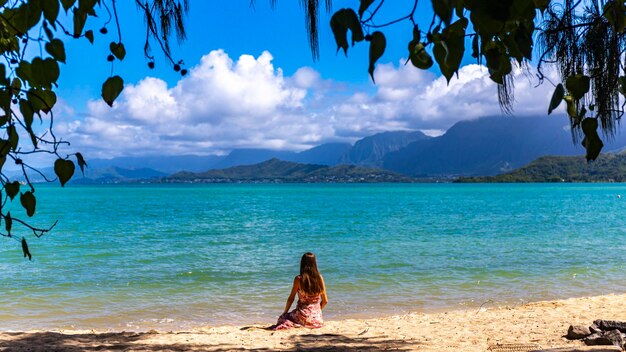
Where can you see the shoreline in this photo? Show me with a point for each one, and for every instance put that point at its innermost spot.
(537, 325)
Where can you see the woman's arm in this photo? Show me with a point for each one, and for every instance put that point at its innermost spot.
(324, 298)
(292, 295)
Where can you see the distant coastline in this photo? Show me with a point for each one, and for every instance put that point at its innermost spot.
(608, 168)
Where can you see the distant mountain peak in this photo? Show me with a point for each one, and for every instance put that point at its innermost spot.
(371, 150)
(488, 146)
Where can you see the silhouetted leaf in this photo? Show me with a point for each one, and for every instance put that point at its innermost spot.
(64, 169)
(449, 47)
(47, 30)
(28, 201)
(340, 33)
(498, 63)
(13, 136)
(23, 71)
(420, 58)
(443, 9)
(592, 142)
(89, 35)
(67, 4)
(50, 10)
(523, 38)
(112, 88)
(557, 98)
(363, 6)
(81, 162)
(577, 85)
(39, 73)
(25, 249)
(42, 100)
(26, 16)
(12, 189)
(8, 223)
(377, 49)
(56, 49)
(3, 75)
(16, 85)
(80, 17)
(33, 137)
(340, 22)
(51, 69)
(88, 6)
(118, 50)
(5, 147)
(417, 51)
(27, 112)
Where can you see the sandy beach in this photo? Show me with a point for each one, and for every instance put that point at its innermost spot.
(538, 326)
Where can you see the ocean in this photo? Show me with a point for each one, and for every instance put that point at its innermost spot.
(172, 257)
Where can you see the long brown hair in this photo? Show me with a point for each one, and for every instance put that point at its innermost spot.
(310, 278)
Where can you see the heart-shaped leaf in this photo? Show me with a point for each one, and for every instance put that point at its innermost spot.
(28, 202)
(118, 50)
(41, 100)
(577, 85)
(112, 88)
(56, 49)
(64, 169)
(12, 189)
(50, 10)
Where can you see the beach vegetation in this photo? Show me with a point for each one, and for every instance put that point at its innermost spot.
(29, 78)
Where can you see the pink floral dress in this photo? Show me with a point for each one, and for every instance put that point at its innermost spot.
(308, 313)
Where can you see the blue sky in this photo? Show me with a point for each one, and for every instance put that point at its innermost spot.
(253, 84)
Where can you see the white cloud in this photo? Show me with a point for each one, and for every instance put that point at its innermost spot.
(224, 104)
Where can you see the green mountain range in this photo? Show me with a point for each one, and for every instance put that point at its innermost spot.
(609, 167)
(277, 171)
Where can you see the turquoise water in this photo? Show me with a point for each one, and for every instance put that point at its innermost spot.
(180, 256)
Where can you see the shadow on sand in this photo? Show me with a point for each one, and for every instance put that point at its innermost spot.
(128, 341)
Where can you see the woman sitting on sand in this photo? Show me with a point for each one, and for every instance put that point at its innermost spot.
(311, 298)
